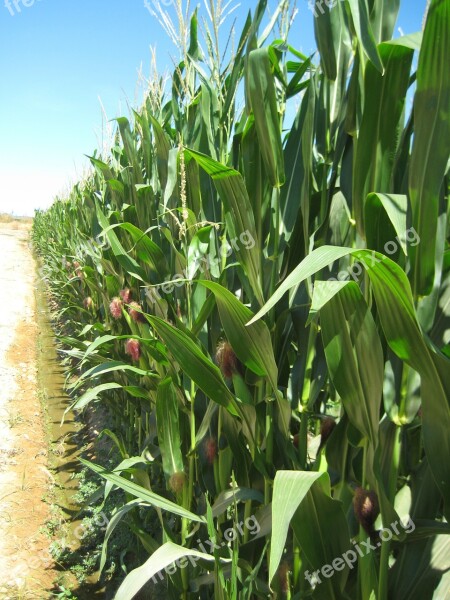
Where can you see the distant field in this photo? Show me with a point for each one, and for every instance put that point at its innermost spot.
(15, 222)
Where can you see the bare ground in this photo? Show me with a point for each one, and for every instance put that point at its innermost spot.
(25, 564)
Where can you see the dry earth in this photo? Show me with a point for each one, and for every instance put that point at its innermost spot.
(25, 565)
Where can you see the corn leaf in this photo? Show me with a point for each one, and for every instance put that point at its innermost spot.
(384, 99)
(166, 554)
(263, 102)
(142, 493)
(398, 318)
(431, 150)
(167, 420)
(303, 500)
(231, 189)
(194, 363)
(360, 16)
(252, 344)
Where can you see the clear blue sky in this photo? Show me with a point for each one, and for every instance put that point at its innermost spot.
(58, 57)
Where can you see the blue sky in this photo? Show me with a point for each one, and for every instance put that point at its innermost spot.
(59, 58)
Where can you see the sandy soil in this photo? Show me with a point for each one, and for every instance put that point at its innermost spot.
(25, 565)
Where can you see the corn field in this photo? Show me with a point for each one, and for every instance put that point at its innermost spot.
(262, 303)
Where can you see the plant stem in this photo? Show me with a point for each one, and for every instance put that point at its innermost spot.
(269, 449)
(276, 243)
(386, 545)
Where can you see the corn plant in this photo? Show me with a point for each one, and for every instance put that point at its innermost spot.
(263, 306)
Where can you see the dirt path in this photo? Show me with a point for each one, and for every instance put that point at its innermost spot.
(25, 565)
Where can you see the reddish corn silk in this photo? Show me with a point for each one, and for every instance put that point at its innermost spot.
(78, 270)
(133, 349)
(135, 313)
(126, 295)
(226, 359)
(283, 574)
(326, 429)
(177, 481)
(366, 508)
(88, 303)
(115, 308)
(210, 447)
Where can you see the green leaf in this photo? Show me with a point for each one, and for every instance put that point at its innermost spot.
(197, 251)
(162, 150)
(146, 249)
(136, 391)
(398, 318)
(385, 219)
(167, 420)
(233, 80)
(252, 345)
(296, 163)
(354, 356)
(130, 148)
(91, 394)
(413, 40)
(233, 496)
(112, 524)
(263, 102)
(109, 367)
(425, 573)
(399, 321)
(167, 554)
(103, 339)
(324, 19)
(195, 364)
(360, 17)
(303, 499)
(231, 189)
(128, 263)
(384, 99)
(383, 16)
(142, 493)
(317, 260)
(356, 365)
(430, 152)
